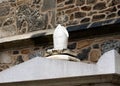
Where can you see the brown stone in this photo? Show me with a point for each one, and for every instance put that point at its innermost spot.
(66, 7)
(25, 51)
(72, 10)
(71, 17)
(59, 1)
(73, 22)
(91, 1)
(98, 17)
(116, 2)
(86, 8)
(20, 2)
(13, 4)
(99, 6)
(80, 2)
(109, 9)
(84, 43)
(92, 13)
(112, 15)
(80, 14)
(94, 55)
(60, 5)
(85, 20)
(69, 2)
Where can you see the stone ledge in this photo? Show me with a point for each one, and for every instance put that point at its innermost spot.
(45, 69)
(27, 36)
(71, 81)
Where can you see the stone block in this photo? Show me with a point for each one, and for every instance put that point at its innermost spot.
(69, 2)
(99, 6)
(84, 43)
(86, 8)
(48, 5)
(85, 20)
(80, 2)
(59, 1)
(80, 14)
(98, 17)
(5, 58)
(25, 51)
(4, 11)
(94, 55)
(72, 10)
(91, 1)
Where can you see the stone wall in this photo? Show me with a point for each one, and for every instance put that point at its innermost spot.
(26, 16)
(87, 50)
(75, 12)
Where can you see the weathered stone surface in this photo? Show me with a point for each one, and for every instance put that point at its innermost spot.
(48, 5)
(119, 12)
(19, 60)
(9, 30)
(109, 10)
(72, 10)
(85, 20)
(65, 8)
(53, 17)
(96, 46)
(91, 1)
(5, 58)
(94, 55)
(9, 21)
(69, 2)
(99, 6)
(35, 54)
(25, 51)
(36, 1)
(80, 2)
(4, 11)
(98, 17)
(84, 54)
(35, 20)
(112, 15)
(1, 21)
(13, 4)
(118, 6)
(12, 0)
(72, 46)
(92, 13)
(80, 14)
(71, 16)
(62, 19)
(73, 22)
(59, 1)
(116, 2)
(15, 52)
(109, 45)
(86, 8)
(19, 2)
(84, 43)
